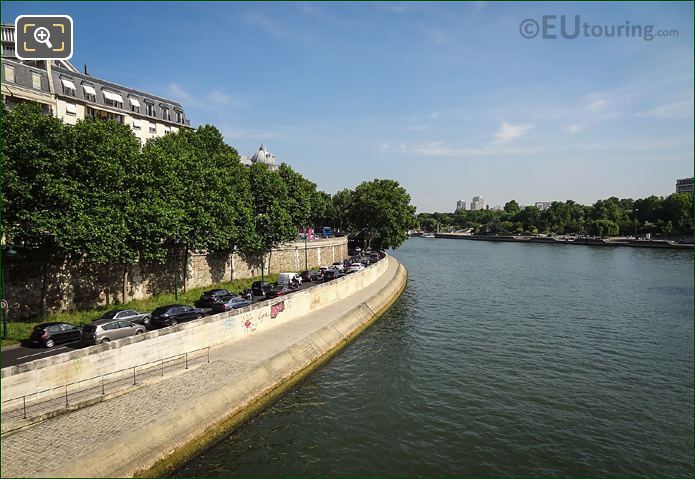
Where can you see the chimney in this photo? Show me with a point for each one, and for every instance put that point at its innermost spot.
(85, 69)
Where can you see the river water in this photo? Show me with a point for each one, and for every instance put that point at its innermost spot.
(498, 360)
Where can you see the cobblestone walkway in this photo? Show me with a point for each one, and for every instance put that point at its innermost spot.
(54, 442)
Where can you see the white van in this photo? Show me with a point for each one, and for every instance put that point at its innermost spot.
(286, 278)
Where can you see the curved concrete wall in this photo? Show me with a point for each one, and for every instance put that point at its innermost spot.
(178, 434)
(59, 370)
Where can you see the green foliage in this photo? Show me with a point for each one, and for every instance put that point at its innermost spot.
(272, 221)
(669, 216)
(381, 211)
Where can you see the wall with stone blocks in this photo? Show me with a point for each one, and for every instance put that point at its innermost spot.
(34, 377)
(73, 284)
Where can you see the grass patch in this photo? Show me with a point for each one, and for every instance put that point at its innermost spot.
(20, 330)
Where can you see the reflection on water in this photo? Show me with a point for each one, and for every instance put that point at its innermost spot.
(498, 360)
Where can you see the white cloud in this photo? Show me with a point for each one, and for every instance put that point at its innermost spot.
(509, 132)
(186, 99)
(574, 128)
(670, 111)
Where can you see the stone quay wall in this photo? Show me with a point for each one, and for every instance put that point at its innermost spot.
(76, 283)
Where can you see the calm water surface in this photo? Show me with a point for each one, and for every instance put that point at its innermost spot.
(498, 360)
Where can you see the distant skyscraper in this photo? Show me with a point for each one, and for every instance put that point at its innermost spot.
(461, 205)
(477, 203)
(684, 185)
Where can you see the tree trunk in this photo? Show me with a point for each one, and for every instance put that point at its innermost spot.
(185, 271)
(44, 285)
(270, 259)
(262, 266)
(125, 283)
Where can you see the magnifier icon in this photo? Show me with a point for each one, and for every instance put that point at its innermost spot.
(42, 35)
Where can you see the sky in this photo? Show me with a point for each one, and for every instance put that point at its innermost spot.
(449, 99)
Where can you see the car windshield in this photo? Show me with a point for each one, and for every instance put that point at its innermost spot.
(160, 310)
(89, 328)
(110, 314)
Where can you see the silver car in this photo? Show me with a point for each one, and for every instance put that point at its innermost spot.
(128, 315)
(105, 330)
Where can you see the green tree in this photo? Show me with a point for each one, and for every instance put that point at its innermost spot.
(342, 206)
(512, 207)
(382, 212)
(272, 222)
(41, 197)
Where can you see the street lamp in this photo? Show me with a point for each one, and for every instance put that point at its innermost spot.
(636, 222)
(306, 253)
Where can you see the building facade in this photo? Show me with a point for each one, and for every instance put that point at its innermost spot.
(461, 205)
(477, 203)
(684, 185)
(66, 93)
(542, 205)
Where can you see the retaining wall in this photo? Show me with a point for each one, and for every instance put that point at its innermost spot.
(75, 283)
(176, 435)
(224, 328)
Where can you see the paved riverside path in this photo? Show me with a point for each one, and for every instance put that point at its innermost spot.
(46, 447)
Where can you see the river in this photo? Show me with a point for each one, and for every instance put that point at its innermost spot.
(499, 359)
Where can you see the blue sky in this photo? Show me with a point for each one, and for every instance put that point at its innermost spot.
(448, 99)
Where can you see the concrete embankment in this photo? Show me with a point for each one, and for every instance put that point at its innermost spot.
(160, 426)
(569, 241)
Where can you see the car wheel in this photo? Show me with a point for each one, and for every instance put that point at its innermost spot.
(174, 322)
(139, 331)
(50, 343)
(198, 316)
(105, 340)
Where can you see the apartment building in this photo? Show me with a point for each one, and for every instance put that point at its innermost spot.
(70, 95)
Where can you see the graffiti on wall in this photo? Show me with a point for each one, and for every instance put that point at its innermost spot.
(276, 309)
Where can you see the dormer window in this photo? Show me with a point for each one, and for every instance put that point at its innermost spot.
(149, 108)
(68, 87)
(113, 99)
(134, 104)
(179, 116)
(90, 93)
(165, 114)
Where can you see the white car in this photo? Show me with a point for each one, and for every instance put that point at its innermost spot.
(287, 278)
(356, 267)
(338, 266)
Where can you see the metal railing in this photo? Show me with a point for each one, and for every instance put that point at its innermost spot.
(61, 397)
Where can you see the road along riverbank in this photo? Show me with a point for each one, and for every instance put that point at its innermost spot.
(157, 427)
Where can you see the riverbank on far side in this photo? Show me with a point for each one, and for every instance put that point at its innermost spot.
(577, 241)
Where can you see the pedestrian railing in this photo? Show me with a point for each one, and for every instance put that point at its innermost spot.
(62, 397)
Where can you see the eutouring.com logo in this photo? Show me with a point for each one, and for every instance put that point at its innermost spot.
(553, 27)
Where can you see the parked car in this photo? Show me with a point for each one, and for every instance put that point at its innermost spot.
(278, 290)
(258, 288)
(374, 257)
(356, 267)
(210, 298)
(339, 266)
(48, 335)
(105, 330)
(126, 315)
(227, 303)
(306, 275)
(331, 274)
(287, 278)
(173, 314)
(317, 276)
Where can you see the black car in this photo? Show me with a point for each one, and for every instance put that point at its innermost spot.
(306, 276)
(279, 290)
(210, 298)
(50, 334)
(258, 288)
(317, 276)
(173, 314)
(331, 274)
(227, 303)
